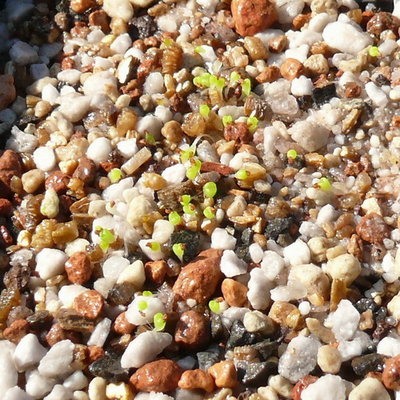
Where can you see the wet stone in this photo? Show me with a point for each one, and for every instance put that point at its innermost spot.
(255, 374)
(206, 359)
(109, 367)
(191, 240)
(240, 337)
(122, 293)
(368, 363)
(322, 95)
(192, 330)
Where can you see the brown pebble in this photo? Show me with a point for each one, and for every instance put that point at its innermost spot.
(89, 304)
(300, 20)
(291, 68)
(6, 207)
(224, 374)
(80, 6)
(78, 268)
(321, 48)
(391, 373)
(100, 18)
(157, 376)
(253, 16)
(234, 292)
(85, 171)
(7, 91)
(122, 325)
(94, 353)
(239, 132)
(278, 43)
(67, 63)
(372, 228)
(209, 166)
(57, 181)
(269, 74)
(196, 379)
(156, 271)
(16, 331)
(383, 21)
(192, 330)
(199, 279)
(10, 166)
(56, 334)
(352, 90)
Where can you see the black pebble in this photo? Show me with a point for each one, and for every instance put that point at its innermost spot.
(322, 95)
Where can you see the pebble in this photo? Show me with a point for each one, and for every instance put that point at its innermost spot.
(101, 82)
(329, 359)
(122, 325)
(8, 92)
(299, 359)
(231, 265)
(141, 317)
(224, 374)
(221, 239)
(253, 16)
(329, 387)
(16, 393)
(336, 36)
(50, 262)
(23, 54)
(74, 106)
(345, 321)
(345, 266)
(118, 9)
(369, 389)
(301, 86)
(309, 135)
(37, 385)
(121, 44)
(156, 270)
(113, 267)
(272, 264)
(78, 268)
(154, 83)
(80, 6)
(100, 333)
(297, 253)
(89, 304)
(44, 158)
(376, 94)
(28, 352)
(259, 289)
(99, 150)
(58, 360)
(372, 228)
(256, 321)
(144, 348)
(199, 279)
(68, 293)
(59, 392)
(76, 381)
(70, 76)
(97, 389)
(127, 148)
(8, 373)
(196, 379)
(234, 292)
(157, 376)
(192, 331)
(291, 68)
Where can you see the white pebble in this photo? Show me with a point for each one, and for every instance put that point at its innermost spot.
(28, 352)
(8, 373)
(174, 174)
(301, 86)
(153, 396)
(288, 9)
(76, 381)
(50, 262)
(259, 289)
(153, 254)
(121, 44)
(272, 264)
(297, 253)
(337, 34)
(154, 83)
(369, 389)
(256, 252)
(71, 76)
(328, 387)
(37, 385)
(145, 348)
(68, 293)
(327, 213)
(345, 321)
(150, 124)
(137, 316)
(376, 94)
(100, 333)
(50, 94)
(16, 393)
(162, 231)
(163, 113)
(59, 392)
(133, 274)
(231, 265)
(73, 105)
(113, 267)
(99, 150)
(309, 135)
(127, 148)
(221, 239)
(44, 158)
(389, 346)
(304, 307)
(118, 9)
(58, 359)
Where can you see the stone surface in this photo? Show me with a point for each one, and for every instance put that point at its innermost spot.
(224, 374)
(157, 376)
(78, 268)
(192, 330)
(8, 373)
(7, 92)
(369, 389)
(58, 359)
(196, 379)
(199, 279)
(28, 352)
(89, 304)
